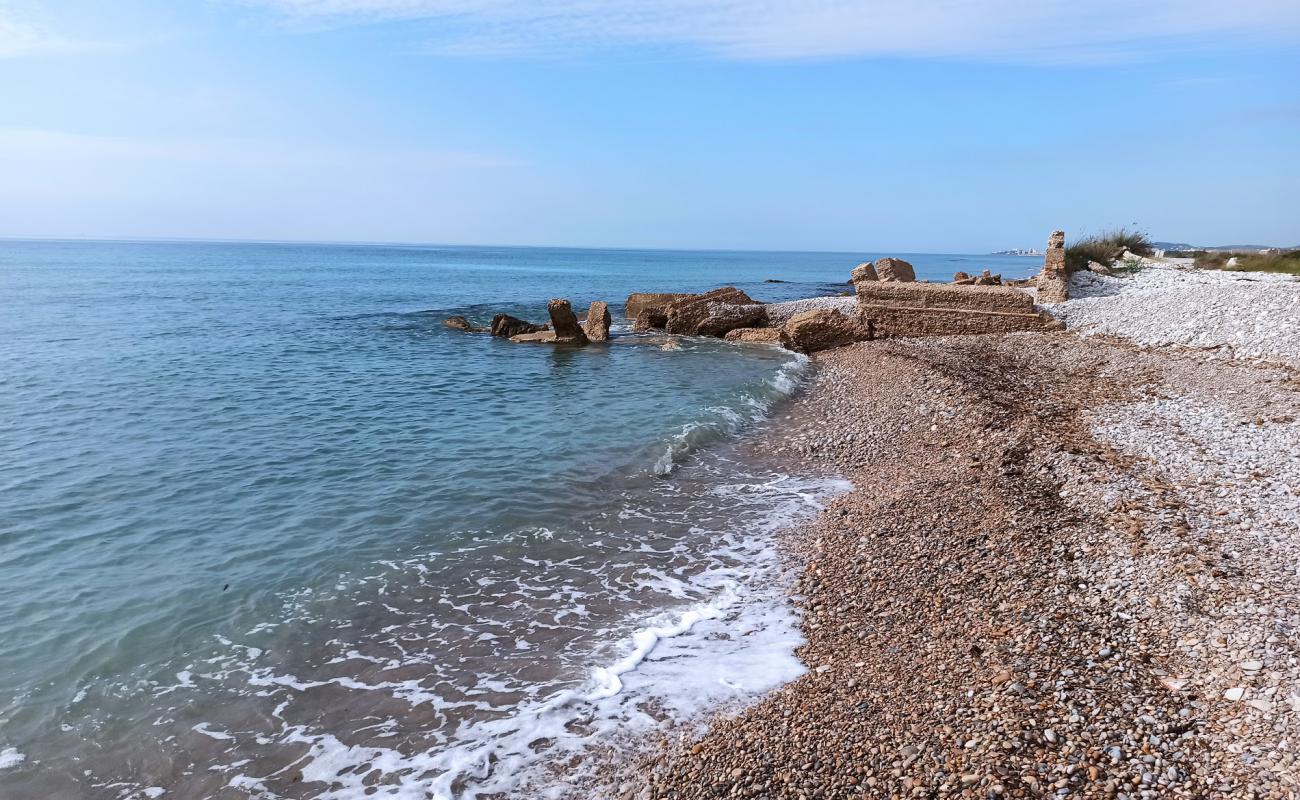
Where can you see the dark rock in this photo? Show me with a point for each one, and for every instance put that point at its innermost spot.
(462, 324)
(650, 319)
(506, 326)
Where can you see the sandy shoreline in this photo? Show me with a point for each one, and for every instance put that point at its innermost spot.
(1068, 568)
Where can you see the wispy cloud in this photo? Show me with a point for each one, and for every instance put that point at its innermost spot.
(21, 37)
(1013, 30)
(35, 145)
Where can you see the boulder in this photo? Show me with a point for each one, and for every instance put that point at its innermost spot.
(598, 320)
(507, 327)
(461, 324)
(714, 313)
(1099, 268)
(565, 323)
(640, 301)
(821, 329)
(864, 272)
(895, 269)
(961, 277)
(650, 319)
(986, 279)
(754, 335)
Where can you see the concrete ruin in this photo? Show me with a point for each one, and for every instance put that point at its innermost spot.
(926, 309)
(1054, 281)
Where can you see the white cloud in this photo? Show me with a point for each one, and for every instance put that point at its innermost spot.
(1015, 30)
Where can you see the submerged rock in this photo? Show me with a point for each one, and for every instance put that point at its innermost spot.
(462, 324)
(821, 329)
(598, 322)
(895, 269)
(508, 327)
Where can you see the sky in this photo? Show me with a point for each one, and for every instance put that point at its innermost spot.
(871, 125)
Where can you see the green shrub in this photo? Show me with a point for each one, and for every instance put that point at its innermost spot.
(1106, 248)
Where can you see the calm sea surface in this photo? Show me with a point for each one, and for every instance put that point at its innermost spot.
(267, 529)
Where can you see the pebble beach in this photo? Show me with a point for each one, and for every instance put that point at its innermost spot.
(1067, 567)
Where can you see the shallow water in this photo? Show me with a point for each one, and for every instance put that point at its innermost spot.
(268, 529)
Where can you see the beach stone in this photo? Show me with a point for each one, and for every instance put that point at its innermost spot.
(821, 329)
(754, 335)
(507, 327)
(895, 269)
(598, 322)
(714, 313)
(865, 271)
(565, 323)
(461, 324)
(650, 319)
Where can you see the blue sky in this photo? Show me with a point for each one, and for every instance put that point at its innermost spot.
(931, 125)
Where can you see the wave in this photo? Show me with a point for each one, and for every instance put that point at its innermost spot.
(751, 403)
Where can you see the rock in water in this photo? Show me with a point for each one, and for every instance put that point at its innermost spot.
(461, 324)
(895, 269)
(650, 319)
(754, 335)
(864, 272)
(714, 313)
(641, 301)
(598, 321)
(821, 329)
(565, 323)
(507, 327)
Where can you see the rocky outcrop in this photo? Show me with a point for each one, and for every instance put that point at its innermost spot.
(508, 327)
(564, 323)
(821, 329)
(641, 301)
(987, 279)
(462, 324)
(894, 269)
(754, 335)
(1054, 281)
(650, 319)
(598, 320)
(865, 271)
(715, 313)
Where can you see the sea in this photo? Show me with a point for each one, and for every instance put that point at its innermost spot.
(268, 529)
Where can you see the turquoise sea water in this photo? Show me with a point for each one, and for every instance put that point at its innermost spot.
(267, 529)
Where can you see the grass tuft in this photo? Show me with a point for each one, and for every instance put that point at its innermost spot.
(1106, 248)
(1287, 263)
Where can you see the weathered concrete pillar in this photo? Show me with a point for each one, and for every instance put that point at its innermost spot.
(1054, 280)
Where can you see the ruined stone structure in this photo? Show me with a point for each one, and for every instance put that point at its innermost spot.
(1054, 280)
(927, 309)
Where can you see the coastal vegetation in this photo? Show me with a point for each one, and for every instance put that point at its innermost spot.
(1287, 262)
(1107, 247)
